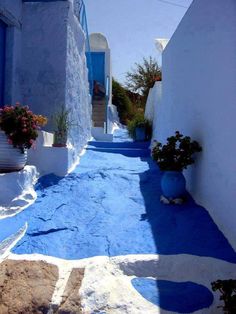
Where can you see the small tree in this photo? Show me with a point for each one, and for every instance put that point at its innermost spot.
(143, 76)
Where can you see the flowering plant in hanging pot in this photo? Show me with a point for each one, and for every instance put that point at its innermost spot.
(18, 132)
(172, 158)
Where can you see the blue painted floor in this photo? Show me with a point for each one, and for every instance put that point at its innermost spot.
(110, 206)
(180, 297)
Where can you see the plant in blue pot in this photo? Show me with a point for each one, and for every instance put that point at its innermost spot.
(172, 158)
(139, 128)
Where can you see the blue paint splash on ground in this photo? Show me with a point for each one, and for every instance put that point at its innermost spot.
(180, 297)
(110, 206)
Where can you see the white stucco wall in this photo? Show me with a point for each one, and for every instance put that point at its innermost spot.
(54, 71)
(77, 97)
(11, 8)
(17, 190)
(44, 56)
(46, 68)
(153, 107)
(199, 95)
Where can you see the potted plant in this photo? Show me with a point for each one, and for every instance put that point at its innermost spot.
(18, 132)
(62, 124)
(172, 158)
(139, 128)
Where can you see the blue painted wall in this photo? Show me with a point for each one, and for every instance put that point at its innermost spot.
(43, 0)
(2, 59)
(98, 63)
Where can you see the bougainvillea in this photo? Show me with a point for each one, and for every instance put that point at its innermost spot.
(20, 125)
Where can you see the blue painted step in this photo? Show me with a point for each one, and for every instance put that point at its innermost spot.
(129, 152)
(180, 297)
(140, 145)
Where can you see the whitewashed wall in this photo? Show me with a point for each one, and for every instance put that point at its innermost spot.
(54, 70)
(44, 56)
(153, 108)
(46, 69)
(199, 99)
(77, 97)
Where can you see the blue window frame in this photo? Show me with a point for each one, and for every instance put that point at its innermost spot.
(2, 60)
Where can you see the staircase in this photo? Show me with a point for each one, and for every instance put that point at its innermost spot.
(99, 113)
(129, 149)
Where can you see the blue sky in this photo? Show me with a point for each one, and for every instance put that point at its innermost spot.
(131, 27)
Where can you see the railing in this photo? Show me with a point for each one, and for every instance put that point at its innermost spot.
(84, 25)
(107, 98)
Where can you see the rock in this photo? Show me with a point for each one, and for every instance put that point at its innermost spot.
(26, 287)
(71, 301)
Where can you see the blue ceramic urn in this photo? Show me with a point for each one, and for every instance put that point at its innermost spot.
(140, 134)
(173, 184)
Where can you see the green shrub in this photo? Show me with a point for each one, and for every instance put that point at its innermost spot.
(139, 121)
(121, 100)
(176, 154)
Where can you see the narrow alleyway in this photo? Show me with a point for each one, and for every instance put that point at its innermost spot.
(109, 206)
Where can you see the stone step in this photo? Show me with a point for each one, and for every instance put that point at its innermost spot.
(98, 102)
(99, 109)
(99, 124)
(99, 114)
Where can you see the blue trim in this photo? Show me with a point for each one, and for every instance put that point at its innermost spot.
(2, 60)
(42, 0)
(107, 100)
(84, 25)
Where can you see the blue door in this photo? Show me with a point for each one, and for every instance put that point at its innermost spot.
(98, 63)
(2, 59)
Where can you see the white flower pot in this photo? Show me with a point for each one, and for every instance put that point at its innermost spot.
(11, 159)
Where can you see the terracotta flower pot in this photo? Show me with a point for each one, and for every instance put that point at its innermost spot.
(59, 139)
(11, 158)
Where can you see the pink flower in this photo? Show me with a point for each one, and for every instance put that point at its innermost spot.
(17, 104)
(9, 141)
(31, 142)
(24, 130)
